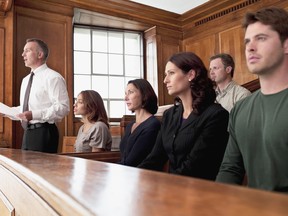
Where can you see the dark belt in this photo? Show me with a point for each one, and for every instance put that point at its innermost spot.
(37, 125)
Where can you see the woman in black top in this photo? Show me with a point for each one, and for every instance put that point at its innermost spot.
(140, 135)
(193, 134)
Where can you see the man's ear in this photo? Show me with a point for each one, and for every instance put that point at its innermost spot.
(40, 55)
(228, 69)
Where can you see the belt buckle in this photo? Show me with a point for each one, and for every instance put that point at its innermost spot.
(34, 126)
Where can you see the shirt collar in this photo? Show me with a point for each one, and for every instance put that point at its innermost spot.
(41, 67)
(226, 89)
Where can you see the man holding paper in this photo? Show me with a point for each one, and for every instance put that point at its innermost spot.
(43, 100)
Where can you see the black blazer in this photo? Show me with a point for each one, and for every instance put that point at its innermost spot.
(195, 146)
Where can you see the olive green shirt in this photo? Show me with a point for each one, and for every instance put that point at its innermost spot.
(258, 142)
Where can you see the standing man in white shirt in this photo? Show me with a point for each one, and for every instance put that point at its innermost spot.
(48, 100)
(228, 91)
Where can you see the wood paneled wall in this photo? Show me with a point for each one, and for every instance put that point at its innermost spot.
(220, 32)
(6, 68)
(165, 43)
(209, 29)
(2, 53)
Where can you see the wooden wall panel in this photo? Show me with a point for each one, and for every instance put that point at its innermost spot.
(222, 20)
(6, 66)
(204, 48)
(56, 31)
(2, 53)
(162, 44)
(232, 42)
(168, 49)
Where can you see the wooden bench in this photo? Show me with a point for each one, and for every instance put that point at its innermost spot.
(68, 150)
(252, 86)
(108, 156)
(68, 144)
(126, 119)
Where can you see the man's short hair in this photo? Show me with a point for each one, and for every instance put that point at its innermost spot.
(227, 61)
(275, 17)
(43, 46)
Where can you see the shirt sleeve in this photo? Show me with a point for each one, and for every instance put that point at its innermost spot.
(59, 101)
(242, 94)
(100, 137)
(232, 167)
(158, 156)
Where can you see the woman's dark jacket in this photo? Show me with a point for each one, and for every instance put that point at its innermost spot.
(195, 146)
(135, 147)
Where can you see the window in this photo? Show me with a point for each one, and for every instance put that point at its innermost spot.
(104, 61)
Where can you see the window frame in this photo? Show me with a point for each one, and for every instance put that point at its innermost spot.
(125, 77)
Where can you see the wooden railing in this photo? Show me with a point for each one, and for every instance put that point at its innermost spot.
(253, 85)
(108, 156)
(34, 183)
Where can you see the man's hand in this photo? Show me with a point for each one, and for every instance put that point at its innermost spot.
(25, 116)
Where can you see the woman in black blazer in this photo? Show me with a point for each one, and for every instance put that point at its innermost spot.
(193, 134)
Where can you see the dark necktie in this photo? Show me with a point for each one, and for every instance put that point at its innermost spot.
(26, 99)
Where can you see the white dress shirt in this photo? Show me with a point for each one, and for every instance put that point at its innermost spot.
(48, 101)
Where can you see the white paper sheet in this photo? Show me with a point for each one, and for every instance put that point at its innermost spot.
(9, 112)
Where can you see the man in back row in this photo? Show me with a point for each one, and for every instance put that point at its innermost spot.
(228, 91)
(258, 142)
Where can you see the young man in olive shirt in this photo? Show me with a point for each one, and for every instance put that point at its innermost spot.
(258, 143)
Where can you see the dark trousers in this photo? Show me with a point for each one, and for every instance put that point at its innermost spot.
(43, 138)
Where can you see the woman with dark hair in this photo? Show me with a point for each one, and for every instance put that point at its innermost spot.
(140, 135)
(193, 135)
(94, 134)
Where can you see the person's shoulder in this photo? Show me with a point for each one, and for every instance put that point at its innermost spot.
(243, 90)
(249, 98)
(172, 111)
(240, 88)
(100, 124)
(214, 111)
(154, 121)
(52, 73)
(214, 107)
(245, 103)
(174, 108)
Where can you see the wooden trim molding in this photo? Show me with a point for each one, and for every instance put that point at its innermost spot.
(2, 54)
(225, 12)
(252, 85)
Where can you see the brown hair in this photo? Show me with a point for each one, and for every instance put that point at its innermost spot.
(149, 98)
(275, 17)
(93, 104)
(202, 87)
(43, 46)
(227, 61)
